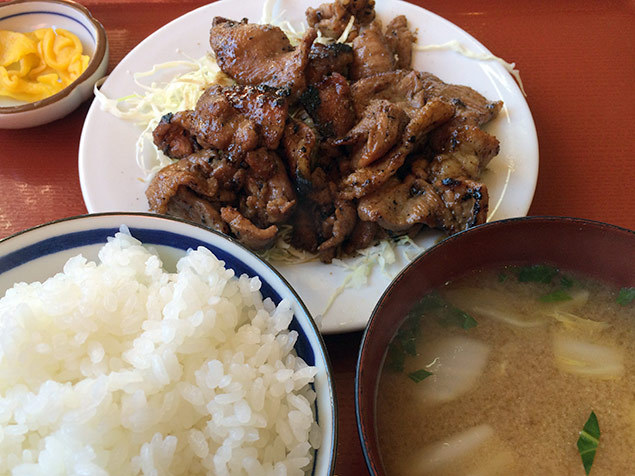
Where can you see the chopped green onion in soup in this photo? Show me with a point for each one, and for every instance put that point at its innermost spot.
(589, 441)
(626, 296)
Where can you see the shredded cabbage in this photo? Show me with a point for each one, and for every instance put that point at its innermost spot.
(267, 18)
(146, 109)
(349, 26)
(383, 254)
(283, 252)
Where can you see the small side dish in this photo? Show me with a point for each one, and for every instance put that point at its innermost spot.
(51, 55)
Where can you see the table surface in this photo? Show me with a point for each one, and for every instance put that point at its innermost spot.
(578, 70)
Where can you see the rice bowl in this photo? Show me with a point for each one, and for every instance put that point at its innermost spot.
(126, 368)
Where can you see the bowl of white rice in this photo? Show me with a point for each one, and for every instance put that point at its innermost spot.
(133, 344)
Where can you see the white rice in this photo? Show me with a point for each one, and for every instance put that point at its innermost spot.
(122, 368)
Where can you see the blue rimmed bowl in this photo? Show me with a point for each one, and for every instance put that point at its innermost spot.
(28, 15)
(40, 252)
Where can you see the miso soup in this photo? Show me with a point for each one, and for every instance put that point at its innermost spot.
(521, 370)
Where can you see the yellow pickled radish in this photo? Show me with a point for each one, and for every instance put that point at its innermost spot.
(40, 63)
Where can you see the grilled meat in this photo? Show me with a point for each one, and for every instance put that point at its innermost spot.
(412, 89)
(246, 232)
(255, 54)
(364, 235)
(451, 205)
(269, 196)
(400, 40)
(305, 233)
(172, 138)
(371, 53)
(236, 119)
(343, 221)
(330, 105)
(380, 128)
(327, 59)
(333, 18)
(194, 187)
(193, 172)
(466, 153)
(466, 199)
(399, 205)
(375, 51)
(346, 143)
(300, 148)
(367, 179)
(189, 206)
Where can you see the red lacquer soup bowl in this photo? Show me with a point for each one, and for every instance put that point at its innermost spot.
(597, 250)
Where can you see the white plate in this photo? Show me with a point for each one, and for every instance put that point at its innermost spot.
(111, 180)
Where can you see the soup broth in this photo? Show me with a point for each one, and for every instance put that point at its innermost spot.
(497, 373)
